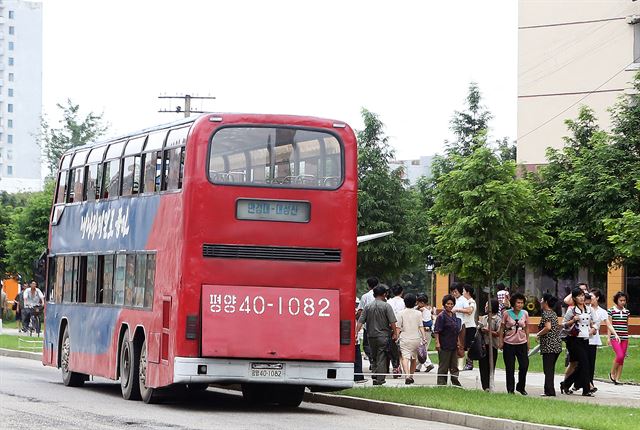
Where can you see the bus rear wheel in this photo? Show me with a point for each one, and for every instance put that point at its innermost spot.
(129, 369)
(148, 394)
(69, 378)
(289, 395)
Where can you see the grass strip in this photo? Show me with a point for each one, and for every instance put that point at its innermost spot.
(8, 341)
(535, 410)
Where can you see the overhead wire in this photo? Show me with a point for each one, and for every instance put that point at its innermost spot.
(576, 102)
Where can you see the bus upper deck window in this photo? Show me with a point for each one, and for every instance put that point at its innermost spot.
(276, 157)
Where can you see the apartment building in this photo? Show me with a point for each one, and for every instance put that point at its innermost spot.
(413, 170)
(20, 95)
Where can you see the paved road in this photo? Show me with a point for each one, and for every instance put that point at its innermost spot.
(36, 394)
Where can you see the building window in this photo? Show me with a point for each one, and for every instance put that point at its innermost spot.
(10, 138)
(10, 123)
(12, 30)
(11, 76)
(11, 61)
(10, 107)
(9, 170)
(12, 14)
(10, 92)
(9, 154)
(11, 45)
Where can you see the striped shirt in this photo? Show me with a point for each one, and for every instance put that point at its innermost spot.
(620, 321)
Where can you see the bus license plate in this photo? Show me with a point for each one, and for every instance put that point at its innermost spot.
(267, 370)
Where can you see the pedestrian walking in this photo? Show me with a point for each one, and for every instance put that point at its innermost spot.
(428, 317)
(599, 316)
(550, 344)
(397, 303)
(364, 301)
(449, 342)
(469, 322)
(489, 330)
(381, 329)
(619, 318)
(410, 334)
(504, 298)
(579, 326)
(514, 341)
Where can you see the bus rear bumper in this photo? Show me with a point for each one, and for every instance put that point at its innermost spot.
(237, 371)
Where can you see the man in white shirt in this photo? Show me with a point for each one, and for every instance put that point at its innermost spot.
(461, 303)
(397, 302)
(33, 297)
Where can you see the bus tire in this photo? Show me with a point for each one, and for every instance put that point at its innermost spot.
(129, 369)
(289, 396)
(69, 378)
(149, 395)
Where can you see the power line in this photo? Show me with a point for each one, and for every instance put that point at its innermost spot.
(613, 90)
(575, 103)
(187, 104)
(558, 24)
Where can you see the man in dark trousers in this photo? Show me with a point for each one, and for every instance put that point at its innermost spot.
(381, 327)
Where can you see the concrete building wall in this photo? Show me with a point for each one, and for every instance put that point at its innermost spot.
(20, 95)
(414, 169)
(570, 53)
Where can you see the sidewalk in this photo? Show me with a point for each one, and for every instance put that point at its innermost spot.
(608, 393)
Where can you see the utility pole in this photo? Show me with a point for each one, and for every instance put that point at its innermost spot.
(187, 104)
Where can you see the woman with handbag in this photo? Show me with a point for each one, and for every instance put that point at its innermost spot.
(489, 330)
(449, 342)
(550, 343)
(428, 316)
(514, 342)
(579, 326)
(410, 334)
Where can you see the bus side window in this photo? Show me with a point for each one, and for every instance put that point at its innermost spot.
(130, 278)
(150, 171)
(151, 280)
(58, 289)
(92, 181)
(131, 175)
(70, 186)
(119, 279)
(91, 264)
(62, 187)
(68, 279)
(174, 162)
(104, 182)
(105, 279)
(141, 277)
(78, 186)
(81, 293)
(51, 278)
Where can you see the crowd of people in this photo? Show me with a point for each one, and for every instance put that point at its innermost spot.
(28, 301)
(399, 327)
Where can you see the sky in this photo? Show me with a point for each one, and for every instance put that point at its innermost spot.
(410, 62)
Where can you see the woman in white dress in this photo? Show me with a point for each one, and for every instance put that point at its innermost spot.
(411, 334)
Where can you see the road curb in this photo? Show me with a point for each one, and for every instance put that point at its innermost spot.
(427, 414)
(21, 354)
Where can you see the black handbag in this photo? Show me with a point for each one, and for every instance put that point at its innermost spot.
(477, 349)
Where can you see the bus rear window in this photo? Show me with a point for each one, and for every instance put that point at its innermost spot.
(275, 156)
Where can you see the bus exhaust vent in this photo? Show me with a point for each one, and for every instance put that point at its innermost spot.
(320, 255)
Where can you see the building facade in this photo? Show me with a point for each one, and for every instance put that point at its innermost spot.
(573, 53)
(413, 170)
(20, 95)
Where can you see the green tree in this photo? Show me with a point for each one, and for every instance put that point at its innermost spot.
(74, 130)
(592, 179)
(384, 204)
(469, 125)
(28, 231)
(484, 218)
(8, 204)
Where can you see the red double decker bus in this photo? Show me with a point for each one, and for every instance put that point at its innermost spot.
(218, 250)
